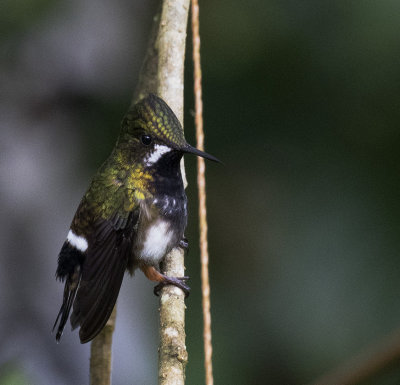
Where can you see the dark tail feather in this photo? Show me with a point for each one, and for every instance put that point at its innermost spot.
(70, 290)
(101, 310)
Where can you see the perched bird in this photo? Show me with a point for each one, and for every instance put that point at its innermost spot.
(132, 215)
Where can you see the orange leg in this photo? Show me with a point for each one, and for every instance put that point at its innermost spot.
(154, 275)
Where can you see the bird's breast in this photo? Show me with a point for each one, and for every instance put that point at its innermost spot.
(161, 227)
(157, 240)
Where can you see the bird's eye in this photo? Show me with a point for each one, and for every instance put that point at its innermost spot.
(146, 139)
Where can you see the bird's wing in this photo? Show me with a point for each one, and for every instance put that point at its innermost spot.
(109, 247)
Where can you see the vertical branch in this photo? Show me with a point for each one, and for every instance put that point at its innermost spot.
(201, 182)
(171, 56)
(100, 354)
(147, 82)
(171, 43)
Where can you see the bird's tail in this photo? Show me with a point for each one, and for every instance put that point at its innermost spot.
(70, 290)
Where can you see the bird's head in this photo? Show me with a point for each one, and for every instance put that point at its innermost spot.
(153, 129)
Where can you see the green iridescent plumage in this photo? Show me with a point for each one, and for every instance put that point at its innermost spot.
(133, 213)
(122, 181)
(153, 116)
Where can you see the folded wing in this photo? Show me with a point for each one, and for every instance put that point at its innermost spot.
(102, 274)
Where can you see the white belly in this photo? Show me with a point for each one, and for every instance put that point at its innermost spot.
(157, 239)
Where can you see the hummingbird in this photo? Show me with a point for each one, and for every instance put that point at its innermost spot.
(132, 215)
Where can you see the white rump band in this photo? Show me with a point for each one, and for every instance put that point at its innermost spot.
(77, 241)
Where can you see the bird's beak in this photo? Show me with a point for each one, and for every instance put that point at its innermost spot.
(193, 150)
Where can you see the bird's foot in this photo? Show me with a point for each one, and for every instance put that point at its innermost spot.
(184, 243)
(176, 281)
(154, 275)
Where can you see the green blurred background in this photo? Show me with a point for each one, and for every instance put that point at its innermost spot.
(301, 103)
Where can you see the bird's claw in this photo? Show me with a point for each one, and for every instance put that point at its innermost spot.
(184, 243)
(176, 281)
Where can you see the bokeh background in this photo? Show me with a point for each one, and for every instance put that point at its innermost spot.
(302, 104)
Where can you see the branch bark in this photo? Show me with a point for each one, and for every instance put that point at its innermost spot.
(147, 82)
(100, 354)
(171, 57)
(201, 183)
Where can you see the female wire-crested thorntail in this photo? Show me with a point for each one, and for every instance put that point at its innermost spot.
(132, 215)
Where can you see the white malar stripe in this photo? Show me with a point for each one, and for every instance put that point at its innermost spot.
(77, 241)
(157, 239)
(159, 151)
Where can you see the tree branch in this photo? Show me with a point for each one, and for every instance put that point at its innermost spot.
(100, 354)
(147, 82)
(201, 183)
(171, 57)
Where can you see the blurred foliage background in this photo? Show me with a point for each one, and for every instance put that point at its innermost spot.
(301, 103)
